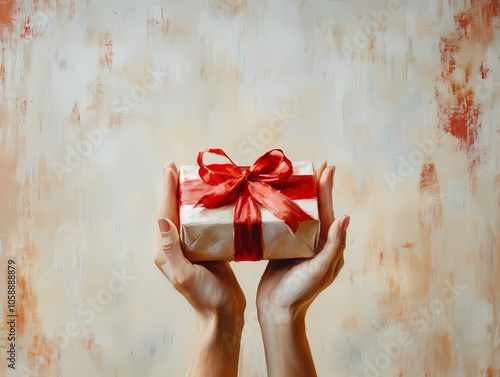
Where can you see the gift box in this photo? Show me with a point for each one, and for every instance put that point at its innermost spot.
(265, 211)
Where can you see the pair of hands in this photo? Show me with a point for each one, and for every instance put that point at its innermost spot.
(286, 290)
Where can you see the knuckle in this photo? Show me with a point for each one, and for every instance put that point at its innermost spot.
(180, 280)
(158, 259)
(167, 246)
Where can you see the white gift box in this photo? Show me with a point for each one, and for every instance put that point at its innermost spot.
(208, 234)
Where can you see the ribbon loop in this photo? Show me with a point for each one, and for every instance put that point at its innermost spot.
(271, 166)
(215, 174)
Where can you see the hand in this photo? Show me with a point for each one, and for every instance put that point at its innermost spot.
(288, 287)
(211, 288)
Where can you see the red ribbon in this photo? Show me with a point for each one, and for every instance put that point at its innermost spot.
(269, 182)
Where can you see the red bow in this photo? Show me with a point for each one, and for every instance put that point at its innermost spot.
(269, 182)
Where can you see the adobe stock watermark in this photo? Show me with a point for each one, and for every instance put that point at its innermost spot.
(121, 106)
(421, 320)
(407, 166)
(87, 312)
(253, 146)
(378, 19)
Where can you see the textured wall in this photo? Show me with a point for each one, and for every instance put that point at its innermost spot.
(402, 96)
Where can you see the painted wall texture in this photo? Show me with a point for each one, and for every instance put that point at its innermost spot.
(402, 96)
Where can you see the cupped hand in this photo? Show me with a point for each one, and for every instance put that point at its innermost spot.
(210, 287)
(288, 287)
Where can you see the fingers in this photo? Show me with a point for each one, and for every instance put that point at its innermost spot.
(169, 207)
(325, 200)
(169, 257)
(339, 266)
(334, 247)
(318, 170)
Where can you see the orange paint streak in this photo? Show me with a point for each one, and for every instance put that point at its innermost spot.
(157, 27)
(430, 220)
(391, 304)
(430, 197)
(27, 318)
(106, 54)
(89, 342)
(39, 353)
(6, 12)
(349, 322)
(8, 9)
(408, 245)
(75, 114)
(381, 257)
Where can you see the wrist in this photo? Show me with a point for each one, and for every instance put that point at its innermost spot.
(216, 322)
(222, 329)
(270, 314)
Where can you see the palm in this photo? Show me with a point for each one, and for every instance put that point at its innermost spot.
(213, 286)
(297, 282)
(208, 286)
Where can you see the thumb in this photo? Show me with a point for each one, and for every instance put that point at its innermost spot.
(336, 241)
(170, 254)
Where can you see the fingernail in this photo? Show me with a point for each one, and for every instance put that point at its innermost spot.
(164, 225)
(344, 223)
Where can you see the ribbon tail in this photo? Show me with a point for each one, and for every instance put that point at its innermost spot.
(247, 229)
(278, 204)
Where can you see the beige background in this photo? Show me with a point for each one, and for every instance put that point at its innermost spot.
(401, 96)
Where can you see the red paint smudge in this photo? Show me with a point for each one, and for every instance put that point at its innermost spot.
(492, 373)
(458, 109)
(483, 70)
(476, 22)
(408, 245)
(461, 114)
(381, 257)
(2, 72)
(28, 30)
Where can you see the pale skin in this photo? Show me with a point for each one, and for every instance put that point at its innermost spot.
(286, 290)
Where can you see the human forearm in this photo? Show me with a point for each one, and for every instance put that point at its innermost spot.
(217, 346)
(286, 346)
